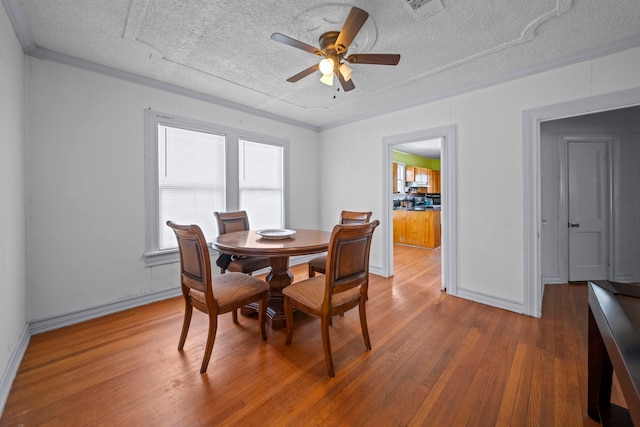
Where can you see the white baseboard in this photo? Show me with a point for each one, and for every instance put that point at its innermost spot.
(506, 304)
(552, 280)
(54, 322)
(10, 371)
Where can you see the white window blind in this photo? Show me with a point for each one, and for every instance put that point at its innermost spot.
(191, 180)
(261, 183)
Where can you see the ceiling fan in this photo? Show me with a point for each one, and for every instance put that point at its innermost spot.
(333, 48)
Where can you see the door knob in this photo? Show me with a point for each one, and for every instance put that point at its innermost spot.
(574, 225)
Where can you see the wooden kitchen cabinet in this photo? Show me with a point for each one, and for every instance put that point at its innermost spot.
(428, 180)
(399, 234)
(417, 228)
(394, 174)
(434, 182)
(410, 174)
(422, 176)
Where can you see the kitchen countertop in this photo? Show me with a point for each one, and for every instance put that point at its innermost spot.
(417, 208)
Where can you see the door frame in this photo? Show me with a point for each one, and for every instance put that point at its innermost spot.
(532, 215)
(448, 190)
(563, 206)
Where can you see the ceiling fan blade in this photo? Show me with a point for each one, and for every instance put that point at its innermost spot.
(374, 58)
(304, 73)
(295, 43)
(347, 85)
(352, 25)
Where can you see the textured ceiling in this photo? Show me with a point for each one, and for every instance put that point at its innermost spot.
(223, 48)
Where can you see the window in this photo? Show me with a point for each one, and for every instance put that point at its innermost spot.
(190, 180)
(261, 183)
(194, 169)
(398, 183)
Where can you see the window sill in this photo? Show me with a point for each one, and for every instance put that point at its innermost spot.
(169, 256)
(161, 257)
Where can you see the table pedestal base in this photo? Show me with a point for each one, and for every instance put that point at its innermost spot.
(278, 278)
(275, 320)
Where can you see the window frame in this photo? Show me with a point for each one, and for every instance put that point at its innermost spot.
(401, 177)
(153, 255)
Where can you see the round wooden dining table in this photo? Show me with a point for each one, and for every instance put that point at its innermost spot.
(279, 250)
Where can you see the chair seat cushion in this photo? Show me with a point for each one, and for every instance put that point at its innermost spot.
(230, 287)
(248, 264)
(318, 263)
(310, 292)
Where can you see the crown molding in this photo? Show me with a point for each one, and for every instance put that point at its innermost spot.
(20, 25)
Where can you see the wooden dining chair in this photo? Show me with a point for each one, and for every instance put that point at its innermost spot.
(212, 295)
(229, 222)
(342, 288)
(318, 264)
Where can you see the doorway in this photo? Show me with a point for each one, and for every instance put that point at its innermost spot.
(536, 182)
(448, 199)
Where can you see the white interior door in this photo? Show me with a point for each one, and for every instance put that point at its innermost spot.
(588, 170)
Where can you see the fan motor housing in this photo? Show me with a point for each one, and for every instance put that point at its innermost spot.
(328, 42)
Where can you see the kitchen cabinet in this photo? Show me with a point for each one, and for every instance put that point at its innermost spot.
(434, 181)
(399, 234)
(422, 176)
(397, 177)
(417, 174)
(394, 174)
(417, 228)
(410, 174)
(423, 180)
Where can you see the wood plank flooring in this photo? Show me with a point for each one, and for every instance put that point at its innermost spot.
(436, 360)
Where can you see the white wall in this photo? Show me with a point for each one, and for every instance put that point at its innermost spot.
(86, 205)
(13, 304)
(489, 167)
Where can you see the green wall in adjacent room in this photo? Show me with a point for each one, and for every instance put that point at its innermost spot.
(413, 160)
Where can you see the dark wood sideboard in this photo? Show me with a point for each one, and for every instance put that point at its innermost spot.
(614, 345)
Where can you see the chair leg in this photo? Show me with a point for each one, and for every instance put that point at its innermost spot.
(326, 344)
(234, 313)
(262, 314)
(188, 310)
(363, 324)
(312, 272)
(211, 338)
(288, 316)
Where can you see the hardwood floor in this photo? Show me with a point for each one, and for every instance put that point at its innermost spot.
(436, 360)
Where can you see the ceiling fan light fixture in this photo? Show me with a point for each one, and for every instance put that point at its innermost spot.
(327, 79)
(345, 70)
(333, 48)
(326, 66)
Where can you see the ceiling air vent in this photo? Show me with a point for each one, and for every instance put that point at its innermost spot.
(421, 9)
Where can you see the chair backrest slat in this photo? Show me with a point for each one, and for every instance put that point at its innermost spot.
(351, 217)
(228, 222)
(348, 258)
(195, 264)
